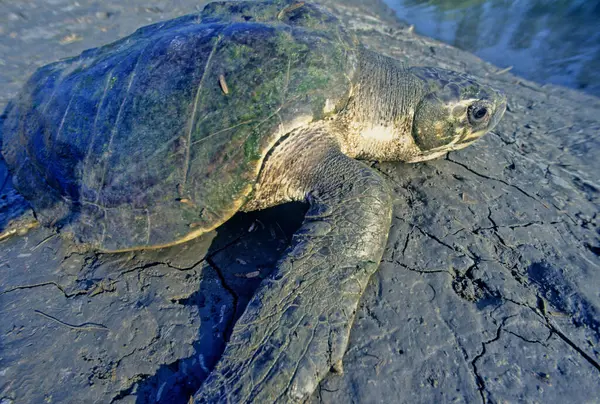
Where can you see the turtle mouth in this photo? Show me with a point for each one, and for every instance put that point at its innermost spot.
(470, 138)
(426, 156)
(464, 143)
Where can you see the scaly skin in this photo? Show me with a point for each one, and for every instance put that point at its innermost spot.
(296, 328)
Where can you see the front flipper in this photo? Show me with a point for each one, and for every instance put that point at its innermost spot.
(296, 328)
(19, 227)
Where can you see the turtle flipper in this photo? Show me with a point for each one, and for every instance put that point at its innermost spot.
(296, 328)
(19, 227)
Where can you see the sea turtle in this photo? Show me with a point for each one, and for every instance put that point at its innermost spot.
(163, 135)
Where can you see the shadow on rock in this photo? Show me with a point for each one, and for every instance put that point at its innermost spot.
(234, 267)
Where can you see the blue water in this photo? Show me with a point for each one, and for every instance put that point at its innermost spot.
(545, 41)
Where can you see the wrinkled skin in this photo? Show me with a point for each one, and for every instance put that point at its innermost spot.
(296, 328)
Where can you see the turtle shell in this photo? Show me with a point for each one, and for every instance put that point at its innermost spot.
(159, 137)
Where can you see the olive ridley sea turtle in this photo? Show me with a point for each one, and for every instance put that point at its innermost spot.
(165, 134)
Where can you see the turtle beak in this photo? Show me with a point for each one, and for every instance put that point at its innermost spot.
(499, 110)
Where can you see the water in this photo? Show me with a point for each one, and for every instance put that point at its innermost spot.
(545, 41)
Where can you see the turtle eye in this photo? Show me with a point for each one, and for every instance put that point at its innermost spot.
(477, 113)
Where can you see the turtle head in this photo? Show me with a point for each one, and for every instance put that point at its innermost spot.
(412, 114)
(454, 111)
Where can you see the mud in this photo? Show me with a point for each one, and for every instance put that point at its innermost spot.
(488, 290)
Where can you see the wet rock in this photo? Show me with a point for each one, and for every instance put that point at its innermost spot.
(488, 290)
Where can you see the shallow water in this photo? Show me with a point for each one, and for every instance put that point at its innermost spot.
(545, 41)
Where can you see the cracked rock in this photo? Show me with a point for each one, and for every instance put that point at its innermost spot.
(488, 290)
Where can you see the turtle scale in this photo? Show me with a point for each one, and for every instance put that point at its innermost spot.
(136, 144)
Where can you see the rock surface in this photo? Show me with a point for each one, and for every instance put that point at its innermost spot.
(488, 291)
